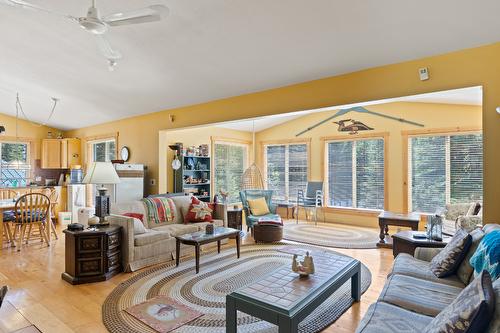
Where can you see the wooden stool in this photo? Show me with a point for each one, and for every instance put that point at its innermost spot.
(267, 232)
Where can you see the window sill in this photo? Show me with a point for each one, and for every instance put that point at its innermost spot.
(354, 211)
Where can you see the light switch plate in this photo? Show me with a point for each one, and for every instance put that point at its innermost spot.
(423, 73)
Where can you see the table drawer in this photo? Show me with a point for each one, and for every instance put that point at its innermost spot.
(89, 266)
(114, 261)
(113, 240)
(90, 244)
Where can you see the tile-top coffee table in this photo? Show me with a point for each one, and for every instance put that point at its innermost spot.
(199, 238)
(285, 299)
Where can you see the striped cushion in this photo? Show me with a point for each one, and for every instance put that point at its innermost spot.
(159, 210)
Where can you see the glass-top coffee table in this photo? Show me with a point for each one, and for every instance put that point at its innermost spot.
(285, 299)
(199, 238)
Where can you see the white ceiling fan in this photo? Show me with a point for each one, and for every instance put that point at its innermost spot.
(98, 25)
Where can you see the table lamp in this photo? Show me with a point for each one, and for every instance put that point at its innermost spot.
(101, 173)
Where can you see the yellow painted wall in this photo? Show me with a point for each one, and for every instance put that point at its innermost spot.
(196, 137)
(26, 130)
(433, 116)
(470, 67)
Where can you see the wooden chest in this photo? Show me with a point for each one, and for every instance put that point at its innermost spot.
(92, 255)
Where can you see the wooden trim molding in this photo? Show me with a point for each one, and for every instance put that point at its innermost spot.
(405, 135)
(324, 166)
(285, 141)
(230, 140)
(353, 211)
(102, 137)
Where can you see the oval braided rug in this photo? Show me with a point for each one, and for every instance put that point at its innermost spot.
(332, 235)
(220, 274)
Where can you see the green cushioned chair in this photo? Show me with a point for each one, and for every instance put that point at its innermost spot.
(251, 220)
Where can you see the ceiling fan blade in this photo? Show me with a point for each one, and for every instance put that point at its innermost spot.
(149, 14)
(106, 49)
(26, 5)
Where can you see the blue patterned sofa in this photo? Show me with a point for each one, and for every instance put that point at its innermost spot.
(413, 295)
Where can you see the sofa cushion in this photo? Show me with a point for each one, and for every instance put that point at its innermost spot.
(182, 203)
(464, 271)
(417, 295)
(198, 211)
(178, 229)
(386, 318)
(150, 237)
(495, 321)
(470, 312)
(487, 255)
(448, 260)
(405, 264)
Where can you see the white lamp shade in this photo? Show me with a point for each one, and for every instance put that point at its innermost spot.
(101, 173)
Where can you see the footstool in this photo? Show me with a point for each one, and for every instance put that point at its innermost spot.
(268, 231)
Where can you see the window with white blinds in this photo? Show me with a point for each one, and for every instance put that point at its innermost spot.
(230, 161)
(444, 169)
(355, 173)
(286, 169)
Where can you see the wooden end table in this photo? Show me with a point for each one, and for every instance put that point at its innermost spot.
(287, 205)
(403, 242)
(235, 218)
(197, 239)
(386, 218)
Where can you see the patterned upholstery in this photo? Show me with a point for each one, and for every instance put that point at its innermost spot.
(448, 260)
(470, 312)
(386, 318)
(405, 264)
(495, 322)
(417, 295)
(487, 256)
(151, 237)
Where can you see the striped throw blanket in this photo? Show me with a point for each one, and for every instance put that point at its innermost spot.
(159, 210)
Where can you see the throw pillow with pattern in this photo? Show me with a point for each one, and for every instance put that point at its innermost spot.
(470, 312)
(487, 255)
(198, 211)
(448, 260)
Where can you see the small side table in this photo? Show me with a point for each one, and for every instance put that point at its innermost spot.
(235, 218)
(403, 242)
(92, 255)
(386, 218)
(287, 206)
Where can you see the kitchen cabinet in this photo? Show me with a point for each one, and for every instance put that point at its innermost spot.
(60, 153)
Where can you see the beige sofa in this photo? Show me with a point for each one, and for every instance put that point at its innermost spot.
(456, 216)
(157, 244)
(413, 295)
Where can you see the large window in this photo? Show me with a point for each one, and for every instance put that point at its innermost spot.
(230, 161)
(15, 164)
(444, 169)
(104, 151)
(286, 169)
(355, 174)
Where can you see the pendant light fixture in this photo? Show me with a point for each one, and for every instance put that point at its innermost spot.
(252, 177)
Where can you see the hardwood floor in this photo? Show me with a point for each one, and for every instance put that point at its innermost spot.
(43, 299)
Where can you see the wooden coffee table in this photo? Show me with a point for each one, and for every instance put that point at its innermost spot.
(197, 239)
(403, 242)
(285, 299)
(386, 218)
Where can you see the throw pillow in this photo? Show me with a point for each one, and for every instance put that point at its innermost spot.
(478, 208)
(135, 215)
(448, 260)
(470, 312)
(138, 227)
(198, 211)
(159, 210)
(487, 255)
(471, 210)
(258, 206)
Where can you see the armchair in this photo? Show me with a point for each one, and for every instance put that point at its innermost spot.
(250, 219)
(312, 199)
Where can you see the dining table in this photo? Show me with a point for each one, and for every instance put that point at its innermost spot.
(10, 204)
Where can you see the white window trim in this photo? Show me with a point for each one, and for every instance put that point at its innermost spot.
(29, 155)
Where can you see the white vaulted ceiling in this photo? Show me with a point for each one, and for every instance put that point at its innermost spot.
(211, 49)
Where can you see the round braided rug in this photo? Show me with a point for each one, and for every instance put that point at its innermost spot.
(331, 235)
(220, 274)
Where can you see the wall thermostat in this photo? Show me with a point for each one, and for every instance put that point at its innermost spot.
(424, 73)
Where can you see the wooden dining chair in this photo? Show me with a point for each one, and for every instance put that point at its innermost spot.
(32, 210)
(8, 216)
(54, 200)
